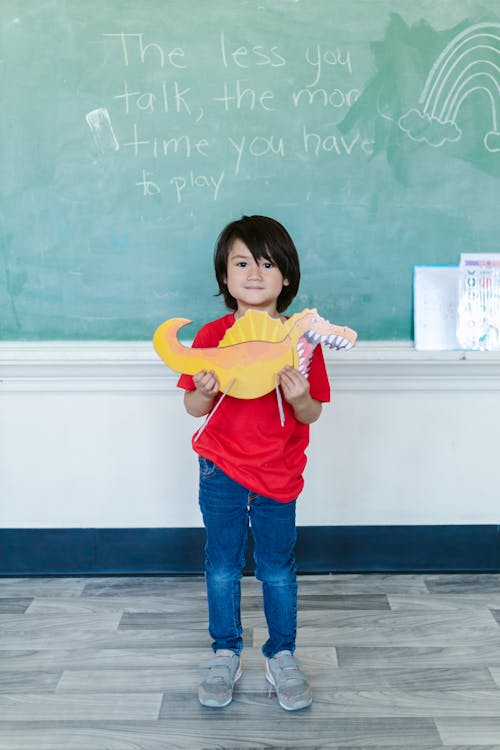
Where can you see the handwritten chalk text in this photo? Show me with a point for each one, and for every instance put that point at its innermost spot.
(193, 130)
(197, 182)
(170, 98)
(315, 144)
(318, 58)
(133, 47)
(257, 147)
(334, 98)
(246, 57)
(247, 97)
(183, 145)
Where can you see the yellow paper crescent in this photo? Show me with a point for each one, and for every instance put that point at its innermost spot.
(253, 350)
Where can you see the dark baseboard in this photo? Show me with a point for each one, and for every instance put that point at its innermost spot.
(320, 549)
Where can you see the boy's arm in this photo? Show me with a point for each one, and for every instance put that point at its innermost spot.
(295, 389)
(200, 401)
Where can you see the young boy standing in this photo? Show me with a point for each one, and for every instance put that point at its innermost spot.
(251, 466)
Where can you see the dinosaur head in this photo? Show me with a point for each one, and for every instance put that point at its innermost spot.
(314, 330)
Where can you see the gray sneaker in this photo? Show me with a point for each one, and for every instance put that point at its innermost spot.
(292, 688)
(222, 672)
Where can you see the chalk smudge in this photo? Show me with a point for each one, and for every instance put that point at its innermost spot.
(100, 124)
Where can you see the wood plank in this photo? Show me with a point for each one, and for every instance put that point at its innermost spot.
(42, 586)
(469, 730)
(29, 681)
(452, 602)
(14, 605)
(143, 586)
(180, 603)
(463, 583)
(396, 628)
(78, 706)
(343, 734)
(94, 657)
(480, 655)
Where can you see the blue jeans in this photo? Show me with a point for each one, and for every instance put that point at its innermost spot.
(227, 507)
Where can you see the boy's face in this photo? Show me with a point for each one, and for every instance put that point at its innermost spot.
(255, 285)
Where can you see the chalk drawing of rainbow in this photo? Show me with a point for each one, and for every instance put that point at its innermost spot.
(468, 64)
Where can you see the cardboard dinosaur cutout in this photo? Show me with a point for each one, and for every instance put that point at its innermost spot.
(253, 350)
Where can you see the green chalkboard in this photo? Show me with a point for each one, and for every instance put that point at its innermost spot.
(132, 132)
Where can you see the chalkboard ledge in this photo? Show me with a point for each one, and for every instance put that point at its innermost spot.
(134, 366)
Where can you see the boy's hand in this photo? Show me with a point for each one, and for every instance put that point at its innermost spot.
(207, 383)
(295, 389)
(200, 401)
(295, 386)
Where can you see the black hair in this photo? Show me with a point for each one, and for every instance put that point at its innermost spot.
(266, 238)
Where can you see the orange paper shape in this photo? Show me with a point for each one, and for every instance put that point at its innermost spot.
(254, 349)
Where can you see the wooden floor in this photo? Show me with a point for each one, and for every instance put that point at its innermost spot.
(395, 662)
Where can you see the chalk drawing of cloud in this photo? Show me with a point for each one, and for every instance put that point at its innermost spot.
(492, 141)
(423, 127)
(469, 63)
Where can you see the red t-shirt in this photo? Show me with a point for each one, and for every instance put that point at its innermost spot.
(245, 437)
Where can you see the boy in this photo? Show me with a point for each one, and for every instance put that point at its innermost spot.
(251, 466)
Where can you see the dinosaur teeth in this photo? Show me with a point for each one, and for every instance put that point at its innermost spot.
(336, 342)
(345, 344)
(313, 336)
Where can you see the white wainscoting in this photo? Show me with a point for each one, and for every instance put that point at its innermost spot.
(95, 435)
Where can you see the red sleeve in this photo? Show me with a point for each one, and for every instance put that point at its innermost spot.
(186, 382)
(318, 376)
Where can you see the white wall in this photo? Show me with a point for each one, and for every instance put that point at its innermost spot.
(95, 435)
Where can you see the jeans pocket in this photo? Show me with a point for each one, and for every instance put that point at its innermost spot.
(207, 467)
